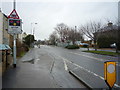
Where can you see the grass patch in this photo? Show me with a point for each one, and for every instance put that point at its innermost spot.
(103, 52)
(22, 54)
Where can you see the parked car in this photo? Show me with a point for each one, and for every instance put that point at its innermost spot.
(83, 45)
(113, 45)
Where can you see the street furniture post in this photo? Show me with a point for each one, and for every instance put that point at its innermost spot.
(110, 73)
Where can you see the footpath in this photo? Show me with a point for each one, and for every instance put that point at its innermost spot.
(29, 75)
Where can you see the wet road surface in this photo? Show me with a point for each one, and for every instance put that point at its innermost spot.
(40, 68)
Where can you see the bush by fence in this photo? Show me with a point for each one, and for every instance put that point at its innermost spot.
(72, 47)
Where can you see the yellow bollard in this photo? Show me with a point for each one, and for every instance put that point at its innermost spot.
(110, 73)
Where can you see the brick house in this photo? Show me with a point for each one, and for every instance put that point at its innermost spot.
(107, 35)
(5, 59)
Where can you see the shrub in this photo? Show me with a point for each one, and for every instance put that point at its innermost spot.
(85, 46)
(72, 47)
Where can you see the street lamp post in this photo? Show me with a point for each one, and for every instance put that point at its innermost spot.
(32, 30)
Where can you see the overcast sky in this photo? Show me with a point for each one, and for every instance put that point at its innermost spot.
(50, 13)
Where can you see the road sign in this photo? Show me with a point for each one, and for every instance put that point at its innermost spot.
(14, 23)
(13, 15)
(14, 26)
(110, 73)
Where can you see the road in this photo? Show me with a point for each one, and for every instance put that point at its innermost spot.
(39, 68)
(92, 63)
(56, 68)
(49, 67)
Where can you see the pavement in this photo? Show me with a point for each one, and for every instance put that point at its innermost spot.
(29, 75)
(0, 75)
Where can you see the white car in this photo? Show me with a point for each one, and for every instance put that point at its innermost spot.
(113, 45)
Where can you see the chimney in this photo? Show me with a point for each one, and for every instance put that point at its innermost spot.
(110, 24)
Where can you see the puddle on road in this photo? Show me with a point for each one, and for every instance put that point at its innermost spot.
(29, 61)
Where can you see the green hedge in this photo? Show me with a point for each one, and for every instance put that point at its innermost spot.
(72, 47)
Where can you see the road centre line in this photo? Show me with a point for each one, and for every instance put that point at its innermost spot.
(102, 60)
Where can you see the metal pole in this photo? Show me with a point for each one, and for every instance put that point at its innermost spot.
(14, 41)
(31, 28)
(14, 51)
(31, 34)
(14, 4)
(33, 31)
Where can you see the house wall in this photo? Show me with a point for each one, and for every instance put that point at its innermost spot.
(1, 27)
(4, 39)
(5, 30)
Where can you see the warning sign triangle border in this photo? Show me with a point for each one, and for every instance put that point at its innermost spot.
(14, 17)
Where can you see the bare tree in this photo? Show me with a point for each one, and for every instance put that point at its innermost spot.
(62, 30)
(91, 31)
(74, 35)
(68, 34)
(53, 38)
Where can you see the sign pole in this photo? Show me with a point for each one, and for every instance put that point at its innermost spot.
(14, 51)
(14, 28)
(14, 6)
(14, 43)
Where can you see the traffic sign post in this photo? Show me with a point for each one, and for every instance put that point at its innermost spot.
(110, 73)
(14, 28)
(14, 51)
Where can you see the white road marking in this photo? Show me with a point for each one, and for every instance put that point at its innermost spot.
(84, 68)
(65, 65)
(117, 85)
(102, 60)
(36, 60)
(81, 67)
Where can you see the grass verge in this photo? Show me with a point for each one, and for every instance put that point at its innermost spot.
(103, 52)
(22, 54)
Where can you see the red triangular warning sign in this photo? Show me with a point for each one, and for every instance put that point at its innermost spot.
(13, 15)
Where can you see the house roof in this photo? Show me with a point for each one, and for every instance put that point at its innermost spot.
(113, 27)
